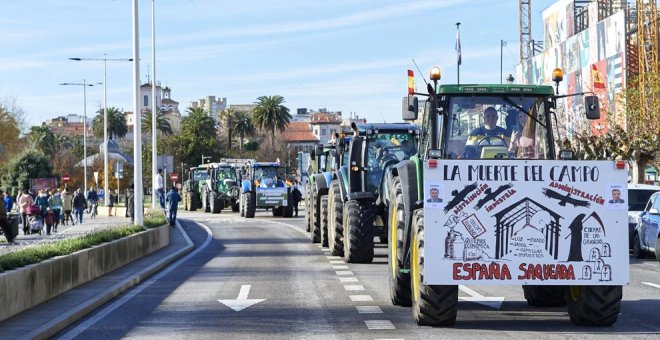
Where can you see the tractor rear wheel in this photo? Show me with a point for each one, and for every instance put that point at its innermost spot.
(593, 305)
(545, 296)
(359, 240)
(193, 201)
(308, 208)
(324, 221)
(277, 211)
(336, 222)
(400, 291)
(250, 204)
(215, 203)
(316, 222)
(432, 305)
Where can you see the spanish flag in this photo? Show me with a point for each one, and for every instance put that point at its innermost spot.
(599, 82)
(411, 83)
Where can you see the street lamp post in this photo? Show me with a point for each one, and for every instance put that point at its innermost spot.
(154, 107)
(84, 84)
(205, 158)
(105, 115)
(137, 126)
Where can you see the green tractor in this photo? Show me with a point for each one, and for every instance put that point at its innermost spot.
(197, 176)
(489, 199)
(263, 186)
(220, 190)
(325, 162)
(358, 195)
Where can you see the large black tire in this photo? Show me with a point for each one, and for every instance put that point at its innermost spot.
(324, 221)
(594, 305)
(193, 201)
(637, 250)
(308, 208)
(359, 240)
(186, 201)
(277, 211)
(432, 305)
(336, 220)
(287, 211)
(545, 296)
(400, 291)
(234, 205)
(205, 201)
(215, 203)
(316, 221)
(250, 204)
(241, 205)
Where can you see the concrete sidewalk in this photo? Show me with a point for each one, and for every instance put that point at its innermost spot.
(56, 314)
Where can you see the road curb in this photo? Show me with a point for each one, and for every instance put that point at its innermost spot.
(71, 316)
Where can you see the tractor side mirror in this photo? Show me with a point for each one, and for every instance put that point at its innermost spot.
(410, 108)
(592, 107)
(318, 149)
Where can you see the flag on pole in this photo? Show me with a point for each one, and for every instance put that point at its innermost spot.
(458, 46)
(411, 83)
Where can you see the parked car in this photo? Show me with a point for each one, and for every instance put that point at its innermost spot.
(647, 233)
(638, 196)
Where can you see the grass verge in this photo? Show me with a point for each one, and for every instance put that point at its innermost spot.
(37, 254)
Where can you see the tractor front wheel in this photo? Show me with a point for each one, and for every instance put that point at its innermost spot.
(250, 204)
(594, 305)
(359, 240)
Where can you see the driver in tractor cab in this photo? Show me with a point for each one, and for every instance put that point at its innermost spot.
(488, 132)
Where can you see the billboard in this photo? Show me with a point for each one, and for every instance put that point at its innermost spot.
(593, 60)
(533, 222)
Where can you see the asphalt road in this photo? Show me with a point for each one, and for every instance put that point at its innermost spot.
(292, 289)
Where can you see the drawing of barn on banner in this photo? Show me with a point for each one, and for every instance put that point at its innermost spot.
(527, 229)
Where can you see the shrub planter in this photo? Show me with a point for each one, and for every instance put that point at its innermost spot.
(26, 287)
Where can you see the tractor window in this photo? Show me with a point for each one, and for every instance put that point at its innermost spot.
(481, 127)
(267, 177)
(225, 173)
(386, 149)
(199, 175)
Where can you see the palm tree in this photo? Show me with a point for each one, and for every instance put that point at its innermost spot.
(243, 126)
(116, 124)
(198, 123)
(162, 124)
(228, 116)
(271, 115)
(42, 138)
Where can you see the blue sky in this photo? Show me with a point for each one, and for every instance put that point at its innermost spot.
(346, 55)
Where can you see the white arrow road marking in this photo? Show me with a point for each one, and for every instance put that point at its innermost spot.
(651, 284)
(493, 302)
(242, 301)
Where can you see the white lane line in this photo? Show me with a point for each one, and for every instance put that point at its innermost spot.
(348, 279)
(135, 291)
(651, 284)
(333, 257)
(379, 324)
(353, 287)
(369, 310)
(337, 262)
(489, 301)
(344, 272)
(361, 298)
(340, 267)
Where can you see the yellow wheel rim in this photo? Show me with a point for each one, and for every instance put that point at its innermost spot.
(415, 268)
(393, 240)
(575, 292)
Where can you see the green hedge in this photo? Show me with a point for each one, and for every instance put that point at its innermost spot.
(154, 218)
(37, 254)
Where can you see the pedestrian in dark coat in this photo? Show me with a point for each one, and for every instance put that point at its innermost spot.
(296, 196)
(173, 199)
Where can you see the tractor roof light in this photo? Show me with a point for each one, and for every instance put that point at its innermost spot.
(435, 73)
(557, 75)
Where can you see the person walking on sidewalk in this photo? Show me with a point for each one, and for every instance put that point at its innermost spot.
(130, 204)
(112, 199)
(67, 207)
(4, 223)
(92, 198)
(173, 199)
(55, 203)
(9, 202)
(160, 190)
(296, 196)
(79, 205)
(42, 202)
(24, 203)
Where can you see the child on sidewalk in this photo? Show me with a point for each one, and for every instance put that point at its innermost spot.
(49, 218)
